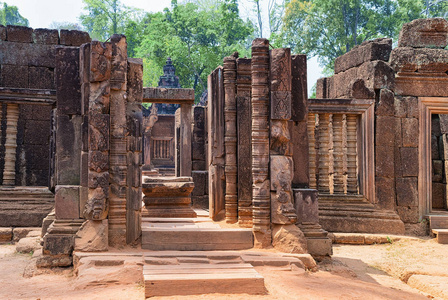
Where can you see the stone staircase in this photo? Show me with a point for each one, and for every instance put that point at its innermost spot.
(439, 226)
(22, 206)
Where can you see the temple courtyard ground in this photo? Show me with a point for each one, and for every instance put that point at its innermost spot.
(410, 268)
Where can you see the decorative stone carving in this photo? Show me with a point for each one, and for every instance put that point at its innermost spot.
(282, 208)
(230, 138)
(338, 155)
(260, 142)
(324, 153)
(352, 178)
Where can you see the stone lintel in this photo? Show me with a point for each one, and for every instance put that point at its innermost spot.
(27, 96)
(169, 96)
(339, 105)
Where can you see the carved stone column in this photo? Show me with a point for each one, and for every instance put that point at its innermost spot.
(338, 163)
(312, 149)
(244, 143)
(260, 143)
(352, 180)
(12, 116)
(324, 154)
(230, 139)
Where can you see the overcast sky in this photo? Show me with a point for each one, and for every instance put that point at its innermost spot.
(41, 13)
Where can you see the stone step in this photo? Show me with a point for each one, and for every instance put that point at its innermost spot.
(195, 239)
(196, 279)
(438, 222)
(442, 235)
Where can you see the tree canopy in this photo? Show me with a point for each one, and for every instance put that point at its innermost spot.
(9, 15)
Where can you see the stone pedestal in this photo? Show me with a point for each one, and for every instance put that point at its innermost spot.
(168, 197)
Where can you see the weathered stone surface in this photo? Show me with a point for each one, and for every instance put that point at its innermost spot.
(28, 54)
(49, 261)
(74, 37)
(443, 120)
(67, 202)
(384, 164)
(406, 107)
(68, 150)
(100, 61)
(22, 232)
(421, 33)
(2, 33)
(92, 236)
(385, 105)
(408, 214)
(46, 36)
(200, 181)
(68, 87)
(406, 59)
(407, 191)
(41, 78)
(300, 153)
(282, 209)
(58, 244)
(385, 192)
(14, 76)
(289, 239)
(322, 88)
(438, 199)
(20, 34)
(97, 206)
(306, 204)
(437, 170)
(409, 127)
(409, 161)
(198, 136)
(28, 244)
(384, 133)
(135, 80)
(5, 234)
(99, 132)
(280, 138)
(358, 90)
(299, 92)
(99, 97)
(378, 49)
(119, 62)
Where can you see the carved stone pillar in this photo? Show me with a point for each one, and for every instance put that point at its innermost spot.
(324, 153)
(244, 143)
(312, 149)
(230, 139)
(260, 143)
(12, 116)
(352, 178)
(338, 163)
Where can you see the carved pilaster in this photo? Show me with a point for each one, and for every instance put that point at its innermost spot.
(12, 116)
(312, 149)
(230, 139)
(260, 142)
(338, 163)
(244, 143)
(324, 154)
(352, 180)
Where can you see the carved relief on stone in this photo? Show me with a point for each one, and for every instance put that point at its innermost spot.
(230, 139)
(260, 142)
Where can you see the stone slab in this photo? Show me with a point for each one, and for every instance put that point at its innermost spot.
(421, 33)
(5, 234)
(169, 96)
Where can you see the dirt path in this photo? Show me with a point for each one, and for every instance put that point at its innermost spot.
(347, 276)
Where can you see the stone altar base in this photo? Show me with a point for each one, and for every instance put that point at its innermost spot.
(168, 197)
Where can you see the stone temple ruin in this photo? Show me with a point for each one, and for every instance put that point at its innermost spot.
(367, 156)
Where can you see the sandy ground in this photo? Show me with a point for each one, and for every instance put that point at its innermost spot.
(355, 272)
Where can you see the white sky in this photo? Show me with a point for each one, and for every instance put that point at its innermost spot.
(41, 13)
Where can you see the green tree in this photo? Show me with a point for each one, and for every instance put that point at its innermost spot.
(103, 18)
(65, 25)
(9, 15)
(329, 28)
(196, 38)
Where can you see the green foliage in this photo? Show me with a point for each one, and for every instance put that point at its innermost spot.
(65, 25)
(329, 28)
(196, 38)
(9, 15)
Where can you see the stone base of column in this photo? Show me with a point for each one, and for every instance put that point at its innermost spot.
(318, 242)
(262, 239)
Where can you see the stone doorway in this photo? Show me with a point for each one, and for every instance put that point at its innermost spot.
(439, 159)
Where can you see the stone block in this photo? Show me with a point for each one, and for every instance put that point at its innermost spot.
(28, 245)
(99, 161)
(74, 37)
(385, 105)
(385, 192)
(384, 164)
(58, 244)
(359, 90)
(67, 202)
(322, 88)
(41, 78)
(438, 199)
(99, 132)
(407, 191)
(2, 33)
(408, 214)
(68, 149)
(22, 232)
(289, 239)
(46, 36)
(5, 235)
(409, 161)
(96, 180)
(20, 34)
(307, 206)
(35, 135)
(424, 60)
(406, 107)
(378, 49)
(14, 76)
(410, 132)
(443, 121)
(68, 87)
(385, 133)
(435, 148)
(133, 198)
(300, 153)
(198, 165)
(200, 181)
(299, 93)
(135, 80)
(282, 209)
(92, 236)
(398, 135)
(119, 62)
(424, 33)
(49, 261)
(280, 138)
(100, 61)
